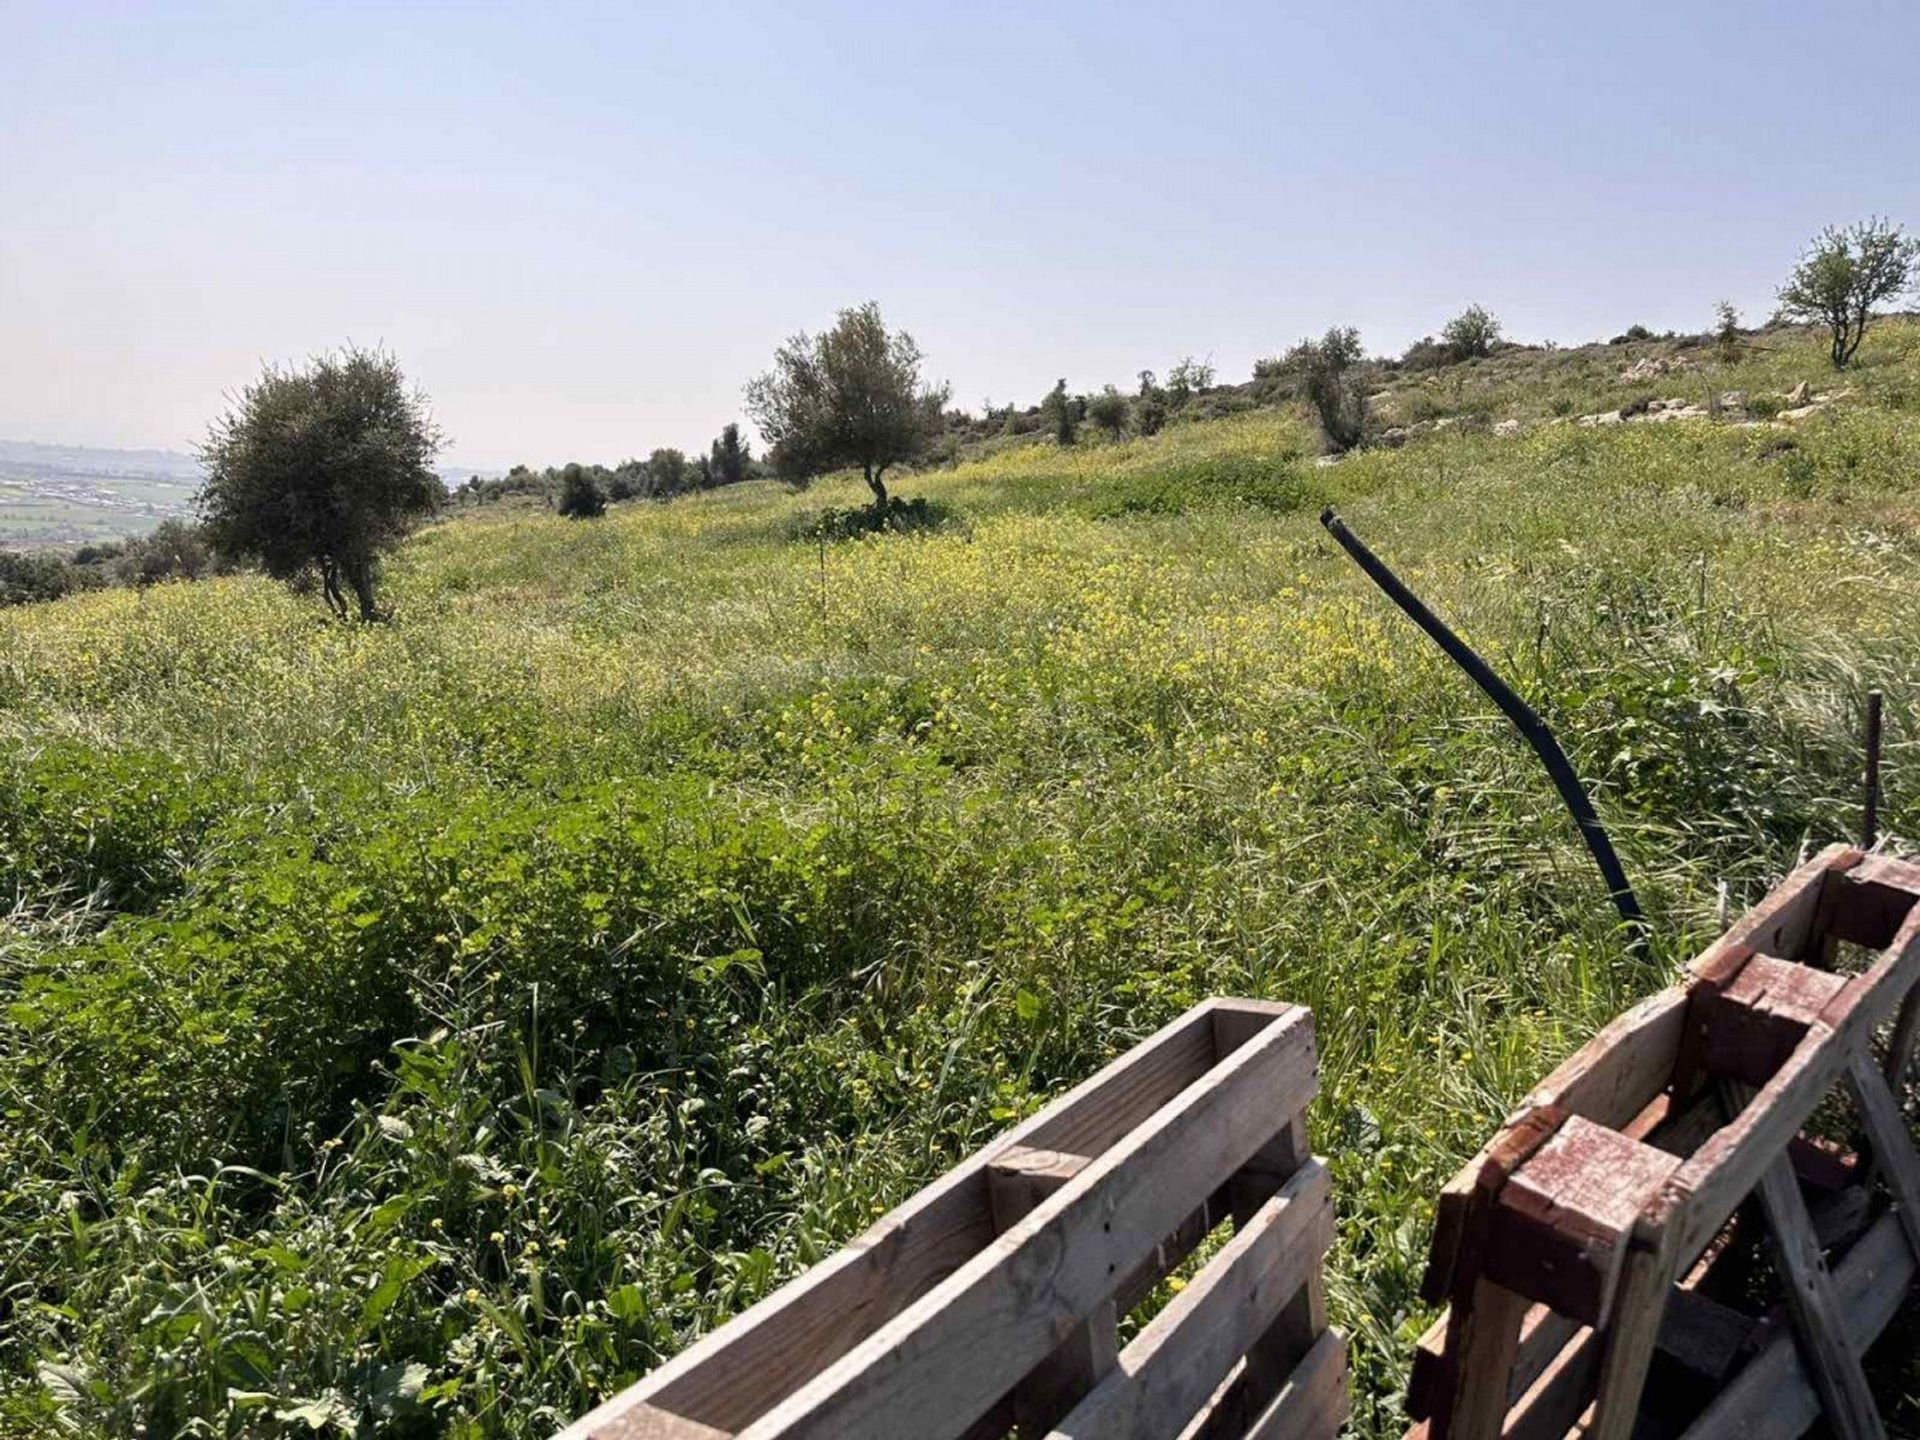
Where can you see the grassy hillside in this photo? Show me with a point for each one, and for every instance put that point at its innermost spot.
(431, 1026)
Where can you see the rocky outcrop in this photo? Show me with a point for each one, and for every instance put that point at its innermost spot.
(1651, 367)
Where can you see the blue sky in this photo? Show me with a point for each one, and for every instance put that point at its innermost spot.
(582, 228)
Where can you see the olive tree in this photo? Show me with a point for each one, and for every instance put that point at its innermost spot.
(1471, 334)
(1843, 275)
(667, 472)
(581, 497)
(730, 456)
(849, 397)
(1058, 408)
(1335, 394)
(1108, 410)
(318, 470)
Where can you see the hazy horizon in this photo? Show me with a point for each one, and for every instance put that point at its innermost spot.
(582, 232)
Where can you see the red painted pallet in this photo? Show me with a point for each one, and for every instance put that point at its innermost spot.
(1596, 1257)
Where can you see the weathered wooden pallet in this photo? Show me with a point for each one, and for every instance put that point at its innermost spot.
(1592, 1256)
(988, 1303)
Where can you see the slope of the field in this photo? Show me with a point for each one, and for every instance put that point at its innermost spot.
(432, 1025)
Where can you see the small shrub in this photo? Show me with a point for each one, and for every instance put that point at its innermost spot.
(174, 551)
(29, 576)
(850, 523)
(1426, 353)
(1726, 331)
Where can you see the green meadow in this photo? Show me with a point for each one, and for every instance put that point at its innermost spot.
(428, 1027)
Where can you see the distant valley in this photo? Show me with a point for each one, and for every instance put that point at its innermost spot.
(74, 494)
(83, 494)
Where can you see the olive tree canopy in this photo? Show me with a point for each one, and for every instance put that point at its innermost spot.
(1843, 275)
(317, 470)
(1471, 334)
(848, 397)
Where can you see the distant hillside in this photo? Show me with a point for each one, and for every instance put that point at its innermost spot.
(70, 494)
(76, 494)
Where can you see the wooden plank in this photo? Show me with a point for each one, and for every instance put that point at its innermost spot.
(1906, 1029)
(1630, 1336)
(1236, 1021)
(1257, 1181)
(1543, 1334)
(738, 1372)
(1611, 1078)
(1171, 1369)
(1772, 1396)
(1020, 1177)
(1461, 1242)
(1019, 1180)
(1161, 1261)
(1076, 1366)
(1565, 1217)
(643, 1422)
(1225, 1415)
(1701, 1335)
(1678, 1128)
(1314, 1403)
(1274, 1354)
(1783, 922)
(1481, 1343)
(1876, 992)
(1893, 1152)
(1814, 1306)
(1004, 1309)
(1560, 1394)
(1143, 1080)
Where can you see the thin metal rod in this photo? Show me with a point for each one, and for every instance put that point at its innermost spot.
(1530, 725)
(1870, 806)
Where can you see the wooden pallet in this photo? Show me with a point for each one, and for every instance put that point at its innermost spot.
(988, 1303)
(1596, 1256)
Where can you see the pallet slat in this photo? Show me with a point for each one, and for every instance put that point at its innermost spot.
(1314, 1402)
(1814, 1307)
(1166, 1375)
(1005, 1307)
(1772, 1396)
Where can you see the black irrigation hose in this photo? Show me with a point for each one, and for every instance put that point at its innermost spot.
(1530, 725)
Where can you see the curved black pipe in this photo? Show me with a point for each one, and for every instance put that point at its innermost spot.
(1530, 725)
